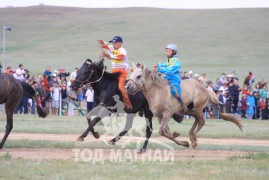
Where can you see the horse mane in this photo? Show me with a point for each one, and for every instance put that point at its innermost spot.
(109, 76)
(158, 80)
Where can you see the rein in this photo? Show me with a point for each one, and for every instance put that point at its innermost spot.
(82, 82)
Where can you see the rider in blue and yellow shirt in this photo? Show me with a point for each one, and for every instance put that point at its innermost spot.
(172, 73)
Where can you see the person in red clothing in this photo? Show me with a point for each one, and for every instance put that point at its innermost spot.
(8, 70)
(47, 88)
(245, 90)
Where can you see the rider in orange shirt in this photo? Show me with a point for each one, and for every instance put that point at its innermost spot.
(118, 56)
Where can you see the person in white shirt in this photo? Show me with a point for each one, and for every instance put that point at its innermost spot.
(118, 56)
(19, 73)
(55, 98)
(90, 98)
(73, 75)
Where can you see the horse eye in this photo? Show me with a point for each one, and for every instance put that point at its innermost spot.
(138, 77)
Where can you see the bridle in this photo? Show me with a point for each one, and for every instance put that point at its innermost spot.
(82, 82)
(138, 88)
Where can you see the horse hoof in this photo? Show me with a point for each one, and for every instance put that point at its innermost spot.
(186, 144)
(96, 135)
(141, 151)
(194, 144)
(175, 134)
(80, 139)
(111, 142)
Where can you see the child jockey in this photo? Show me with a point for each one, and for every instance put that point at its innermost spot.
(172, 73)
(118, 56)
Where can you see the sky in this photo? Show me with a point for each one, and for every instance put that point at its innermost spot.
(168, 4)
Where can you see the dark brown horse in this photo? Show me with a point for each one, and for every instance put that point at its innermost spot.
(11, 91)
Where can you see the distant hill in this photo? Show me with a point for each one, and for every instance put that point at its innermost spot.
(212, 41)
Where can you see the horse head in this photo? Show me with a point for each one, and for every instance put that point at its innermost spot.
(139, 79)
(84, 74)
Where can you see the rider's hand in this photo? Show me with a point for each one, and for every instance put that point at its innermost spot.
(155, 69)
(101, 42)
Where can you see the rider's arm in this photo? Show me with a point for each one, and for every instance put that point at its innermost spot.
(173, 68)
(108, 51)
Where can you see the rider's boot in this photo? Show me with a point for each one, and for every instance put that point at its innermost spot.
(184, 107)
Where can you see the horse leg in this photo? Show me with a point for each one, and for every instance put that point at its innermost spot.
(128, 126)
(148, 118)
(200, 124)
(9, 127)
(93, 112)
(102, 113)
(164, 131)
(191, 132)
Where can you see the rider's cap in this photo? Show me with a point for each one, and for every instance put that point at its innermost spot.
(116, 39)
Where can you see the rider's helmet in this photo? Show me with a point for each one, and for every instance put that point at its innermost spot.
(172, 47)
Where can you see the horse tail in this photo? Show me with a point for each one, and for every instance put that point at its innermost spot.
(42, 112)
(213, 98)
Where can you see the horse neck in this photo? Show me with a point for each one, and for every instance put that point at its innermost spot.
(104, 83)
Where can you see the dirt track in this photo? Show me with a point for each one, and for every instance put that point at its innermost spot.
(53, 153)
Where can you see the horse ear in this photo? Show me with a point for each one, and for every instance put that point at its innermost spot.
(100, 63)
(147, 73)
(88, 61)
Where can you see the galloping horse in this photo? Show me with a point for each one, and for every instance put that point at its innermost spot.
(105, 86)
(163, 104)
(11, 91)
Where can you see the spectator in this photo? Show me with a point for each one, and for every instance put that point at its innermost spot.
(217, 84)
(42, 93)
(64, 95)
(26, 75)
(52, 80)
(256, 114)
(196, 77)
(236, 91)
(245, 90)
(264, 110)
(264, 93)
(244, 106)
(190, 74)
(39, 79)
(73, 75)
(64, 74)
(251, 105)
(90, 98)
(222, 101)
(79, 98)
(249, 80)
(8, 70)
(47, 72)
(19, 73)
(257, 88)
(223, 79)
(71, 98)
(223, 88)
(210, 86)
(186, 76)
(33, 84)
(55, 98)
(261, 83)
(228, 97)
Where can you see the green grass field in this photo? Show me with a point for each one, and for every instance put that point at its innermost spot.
(249, 166)
(212, 41)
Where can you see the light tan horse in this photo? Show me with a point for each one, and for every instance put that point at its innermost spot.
(163, 104)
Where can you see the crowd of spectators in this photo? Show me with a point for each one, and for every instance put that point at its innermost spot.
(53, 88)
(251, 102)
